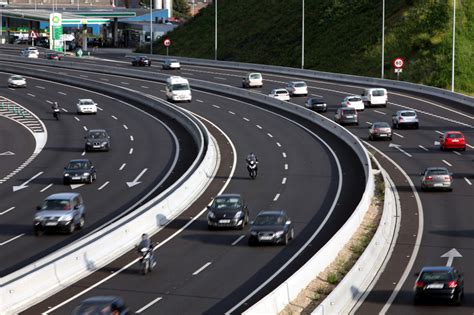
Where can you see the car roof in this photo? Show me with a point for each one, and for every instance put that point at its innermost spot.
(380, 123)
(96, 130)
(351, 96)
(271, 212)
(406, 111)
(453, 132)
(437, 268)
(102, 299)
(65, 195)
(279, 89)
(85, 99)
(294, 82)
(436, 168)
(79, 160)
(229, 195)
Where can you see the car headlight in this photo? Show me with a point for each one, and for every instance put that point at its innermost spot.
(211, 215)
(279, 233)
(66, 174)
(104, 143)
(38, 218)
(67, 217)
(254, 233)
(238, 214)
(86, 174)
(88, 143)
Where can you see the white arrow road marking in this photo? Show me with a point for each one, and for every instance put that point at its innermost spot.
(148, 305)
(74, 186)
(6, 211)
(451, 254)
(44, 189)
(12, 239)
(135, 181)
(398, 147)
(237, 240)
(422, 147)
(447, 163)
(202, 268)
(7, 153)
(24, 185)
(468, 181)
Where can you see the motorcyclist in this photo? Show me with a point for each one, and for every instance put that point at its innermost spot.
(146, 243)
(56, 110)
(252, 161)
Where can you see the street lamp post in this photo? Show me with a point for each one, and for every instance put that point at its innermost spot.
(383, 37)
(151, 28)
(454, 41)
(302, 34)
(215, 30)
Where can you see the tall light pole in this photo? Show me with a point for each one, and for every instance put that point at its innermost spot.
(302, 34)
(383, 37)
(215, 30)
(454, 41)
(151, 28)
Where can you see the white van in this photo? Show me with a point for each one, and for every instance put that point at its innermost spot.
(177, 89)
(375, 97)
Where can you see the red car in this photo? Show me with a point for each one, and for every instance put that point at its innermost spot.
(53, 56)
(452, 140)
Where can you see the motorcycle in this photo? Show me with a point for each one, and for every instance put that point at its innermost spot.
(56, 113)
(252, 169)
(146, 261)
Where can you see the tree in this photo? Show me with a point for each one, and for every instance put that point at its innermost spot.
(181, 9)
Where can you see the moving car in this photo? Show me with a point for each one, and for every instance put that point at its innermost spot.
(171, 64)
(353, 101)
(271, 227)
(29, 52)
(16, 81)
(296, 88)
(227, 210)
(405, 118)
(380, 130)
(346, 115)
(452, 140)
(253, 79)
(97, 140)
(86, 106)
(54, 56)
(178, 89)
(110, 305)
(439, 283)
(280, 94)
(317, 104)
(60, 212)
(141, 61)
(375, 97)
(436, 178)
(80, 170)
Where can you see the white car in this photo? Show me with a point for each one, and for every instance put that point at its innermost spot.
(375, 97)
(16, 81)
(171, 64)
(30, 52)
(280, 94)
(253, 79)
(86, 106)
(297, 88)
(353, 101)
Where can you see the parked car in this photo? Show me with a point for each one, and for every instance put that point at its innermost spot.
(317, 104)
(296, 88)
(353, 101)
(54, 56)
(405, 118)
(97, 140)
(60, 212)
(439, 283)
(227, 210)
(280, 94)
(436, 178)
(141, 61)
(171, 64)
(16, 81)
(253, 79)
(271, 227)
(86, 106)
(109, 305)
(380, 130)
(346, 115)
(375, 97)
(80, 170)
(452, 140)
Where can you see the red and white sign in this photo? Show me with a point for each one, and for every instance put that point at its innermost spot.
(33, 34)
(398, 63)
(167, 42)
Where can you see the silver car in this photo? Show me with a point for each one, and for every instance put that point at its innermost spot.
(346, 115)
(436, 178)
(16, 81)
(405, 118)
(60, 212)
(380, 130)
(171, 64)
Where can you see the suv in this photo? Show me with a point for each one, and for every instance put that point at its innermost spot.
(375, 97)
(97, 140)
(62, 211)
(253, 79)
(405, 118)
(80, 170)
(346, 115)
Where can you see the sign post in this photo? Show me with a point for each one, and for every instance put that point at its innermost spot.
(55, 32)
(33, 36)
(398, 64)
(167, 43)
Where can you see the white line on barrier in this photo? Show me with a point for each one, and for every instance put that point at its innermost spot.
(283, 181)
(12, 239)
(202, 268)
(103, 185)
(122, 167)
(468, 181)
(422, 147)
(447, 163)
(148, 305)
(237, 240)
(276, 197)
(44, 189)
(6, 211)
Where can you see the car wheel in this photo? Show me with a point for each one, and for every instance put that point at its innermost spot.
(286, 239)
(390, 138)
(292, 233)
(416, 300)
(91, 179)
(81, 223)
(449, 189)
(416, 126)
(252, 242)
(65, 181)
(458, 299)
(371, 138)
(210, 227)
(71, 228)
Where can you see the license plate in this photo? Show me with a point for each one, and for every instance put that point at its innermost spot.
(224, 221)
(438, 185)
(455, 140)
(349, 116)
(76, 178)
(382, 135)
(51, 223)
(435, 286)
(266, 238)
(96, 146)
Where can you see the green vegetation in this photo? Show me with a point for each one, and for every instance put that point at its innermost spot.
(340, 36)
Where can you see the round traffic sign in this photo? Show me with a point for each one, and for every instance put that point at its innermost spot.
(398, 63)
(167, 42)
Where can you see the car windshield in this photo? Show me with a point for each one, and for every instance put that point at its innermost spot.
(300, 84)
(77, 165)
(173, 60)
(436, 276)
(454, 135)
(281, 92)
(56, 204)
(354, 99)
(438, 172)
(180, 87)
(88, 102)
(316, 101)
(408, 114)
(255, 76)
(16, 77)
(378, 92)
(97, 135)
(226, 203)
(269, 219)
(97, 308)
(349, 112)
(381, 125)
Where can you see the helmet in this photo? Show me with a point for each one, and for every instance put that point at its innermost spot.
(144, 236)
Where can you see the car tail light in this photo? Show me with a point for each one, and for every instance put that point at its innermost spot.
(447, 178)
(452, 284)
(376, 130)
(420, 284)
(401, 118)
(429, 177)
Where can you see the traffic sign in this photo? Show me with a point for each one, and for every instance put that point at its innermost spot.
(33, 34)
(398, 63)
(167, 42)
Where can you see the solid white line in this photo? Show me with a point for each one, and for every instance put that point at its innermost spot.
(122, 167)
(40, 87)
(456, 152)
(144, 87)
(246, 119)
(85, 128)
(270, 135)
(114, 117)
(62, 93)
(12, 239)
(49, 102)
(278, 144)
(446, 162)
(125, 126)
(283, 181)
(83, 75)
(32, 95)
(422, 147)
(220, 78)
(148, 305)
(8, 210)
(237, 240)
(382, 113)
(439, 132)
(465, 178)
(216, 106)
(202, 268)
(470, 146)
(399, 135)
(131, 151)
(64, 110)
(76, 118)
(286, 166)
(259, 127)
(316, 95)
(284, 154)
(276, 197)
(131, 138)
(232, 113)
(44, 189)
(105, 184)
(200, 101)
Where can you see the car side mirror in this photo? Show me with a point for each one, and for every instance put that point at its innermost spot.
(288, 222)
(76, 207)
(38, 207)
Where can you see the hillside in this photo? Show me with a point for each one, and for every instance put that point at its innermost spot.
(340, 36)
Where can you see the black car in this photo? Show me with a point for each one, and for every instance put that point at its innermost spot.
(97, 140)
(109, 305)
(80, 170)
(439, 283)
(316, 104)
(227, 210)
(141, 61)
(271, 227)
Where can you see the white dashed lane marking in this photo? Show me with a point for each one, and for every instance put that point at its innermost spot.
(270, 135)
(246, 119)
(259, 127)
(220, 78)
(131, 151)
(284, 154)
(398, 135)
(283, 181)
(83, 75)
(62, 93)
(44, 189)
(447, 163)
(76, 118)
(286, 166)
(100, 108)
(202, 268)
(12, 239)
(122, 167)
(144, 87)
(380, 112)
(237, 240)
(104, 79)
(6, 211)
(276, 197)
(468, 181)
(439, 132)
(456, 152)
(125, 126)
(423, 148)
(114, 117)
(64, 110)
(49, 102)
(232, 113)
(216, 106)
(40, 87)
(278, 144)
(85, 128)
(148, 305)
(469, 146)
(29, 94)
(125, 83)
(131, 138)
(103, 185)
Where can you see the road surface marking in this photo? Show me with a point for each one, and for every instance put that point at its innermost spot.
(83, 153)
(122, 167)
(64, 110)
(470, 146)
(465, 178)
(422, 147)
(44, 189)
(40, 87)
(456, 152)
(278, 144)
(439, 132)
(284, 154)
(270, 135)
(62, 93)
(246, 119)
(380, 112)
(286, 166)
(83, 75)
(100, 108)
(76, 118)
(283, 182)
(316, 95)
(259, 127)
(131, 151)
(114, 117)
(220, 78)
(12, 239)
(144, 87)
(103, 185)
(32, 95)
(232, 113)
(237, 240)
(202, 268)
(131, 138)
(104, 79)
(125, 126)
(216, 106)
(148, 305)
(49, 102)
(276, 197)
(6, 211)
(85, 128)
(200, 101)
(447, 163)
(125, 83)
(399, 135)
(368, 123)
